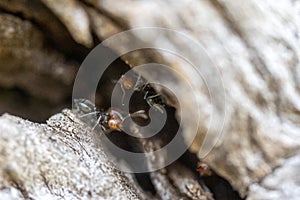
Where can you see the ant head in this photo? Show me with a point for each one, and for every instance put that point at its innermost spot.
(203, 169)
(115, 124)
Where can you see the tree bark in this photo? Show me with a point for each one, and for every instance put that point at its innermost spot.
(253, 44)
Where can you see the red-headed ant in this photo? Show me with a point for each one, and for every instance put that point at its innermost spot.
(111, 120)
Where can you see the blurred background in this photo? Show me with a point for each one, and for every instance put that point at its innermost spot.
(255, 46)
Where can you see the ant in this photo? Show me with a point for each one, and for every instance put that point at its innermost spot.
(204, 169)
(127, 83)
(112, 120)
(141, 85)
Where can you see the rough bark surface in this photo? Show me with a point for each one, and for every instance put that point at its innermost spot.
(57, 160)
(255, 44)
(63, 160)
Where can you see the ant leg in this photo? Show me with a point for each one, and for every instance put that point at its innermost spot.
(98, 121)
(150, 97)
(145, 96)
(158, 107)
(87, 114)
(145, 85)
(137, 83)
(123, 94)
(150, 102)
(84, 105)
(103, 128)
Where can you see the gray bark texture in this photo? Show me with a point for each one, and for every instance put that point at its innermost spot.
(62, 160)
(254, 44)
(56, 161)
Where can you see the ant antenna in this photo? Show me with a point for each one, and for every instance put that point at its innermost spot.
(139, 113)
(137, 81)
(90, 113)
(123, 94)
(123, 79)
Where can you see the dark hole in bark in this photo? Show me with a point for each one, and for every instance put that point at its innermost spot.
(221, 189)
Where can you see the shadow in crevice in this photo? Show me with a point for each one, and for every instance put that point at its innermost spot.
(221, 188)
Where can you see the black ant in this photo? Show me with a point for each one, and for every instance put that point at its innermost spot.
(109, 121)
(153, 99)
(139, 84)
